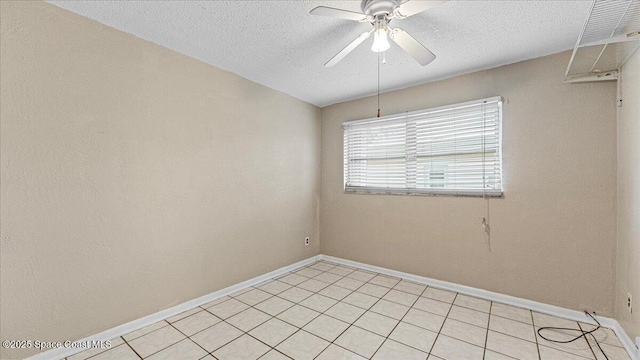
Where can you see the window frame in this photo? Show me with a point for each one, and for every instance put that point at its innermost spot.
(372, 190)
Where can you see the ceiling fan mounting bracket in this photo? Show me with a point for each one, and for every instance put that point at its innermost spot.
(379, 7)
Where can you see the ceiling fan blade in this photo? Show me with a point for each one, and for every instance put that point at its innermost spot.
(349, 48)
(338, 13)
(412, 47)
(412, 7)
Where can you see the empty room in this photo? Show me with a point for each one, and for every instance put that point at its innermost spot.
(315, 179)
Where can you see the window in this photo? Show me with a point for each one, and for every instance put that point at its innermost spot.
(449, 150)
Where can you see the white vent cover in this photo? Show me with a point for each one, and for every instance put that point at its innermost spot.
(609, 37)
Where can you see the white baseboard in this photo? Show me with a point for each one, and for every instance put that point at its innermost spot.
(501, 298)
(167, 313)
(489, 295)
(626, 341)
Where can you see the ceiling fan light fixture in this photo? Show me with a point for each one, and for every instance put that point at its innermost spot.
(380, 34)
(379, 13)
(380, 41)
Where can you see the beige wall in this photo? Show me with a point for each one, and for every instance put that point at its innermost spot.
(553, 234)
(628, 275)
(131, 172)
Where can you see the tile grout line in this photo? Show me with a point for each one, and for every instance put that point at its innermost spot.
(245, 332)
(529, 341)
(517, 338)
(131, 347)
(486, 336)
(588, 343)
(553, 348)
(352, 291)
(418, 326)
(338, 301)
(102, 352)
(445, 320)
(369, 309)
(243, 291)
(352, 323)
(321, 313)
(535, 333)
(235, 327)
(399, 321)
(189, 337)
(295, 303)
(498, 352)
(250, 306)
(94, 355)
(340, 276)
(166, 347)
(564, 350)
(451, 306)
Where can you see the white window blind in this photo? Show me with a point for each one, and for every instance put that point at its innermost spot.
(449, 150)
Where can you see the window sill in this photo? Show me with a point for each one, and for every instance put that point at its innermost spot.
(453, 193)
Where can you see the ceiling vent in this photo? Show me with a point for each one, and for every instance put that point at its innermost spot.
(609, 37)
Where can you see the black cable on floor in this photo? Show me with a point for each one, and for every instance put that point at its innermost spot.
(582, 334)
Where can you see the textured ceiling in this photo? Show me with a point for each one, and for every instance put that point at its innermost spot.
(278, 44)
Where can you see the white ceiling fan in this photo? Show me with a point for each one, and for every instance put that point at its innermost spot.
(380, 13)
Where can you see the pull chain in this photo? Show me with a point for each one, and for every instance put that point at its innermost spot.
(378, 84)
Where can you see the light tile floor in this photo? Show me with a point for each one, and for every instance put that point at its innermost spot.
(327, 311)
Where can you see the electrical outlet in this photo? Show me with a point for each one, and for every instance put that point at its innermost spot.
(306, 241)
(629, 303)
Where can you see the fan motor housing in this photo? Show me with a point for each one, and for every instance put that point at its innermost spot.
(378, 7)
